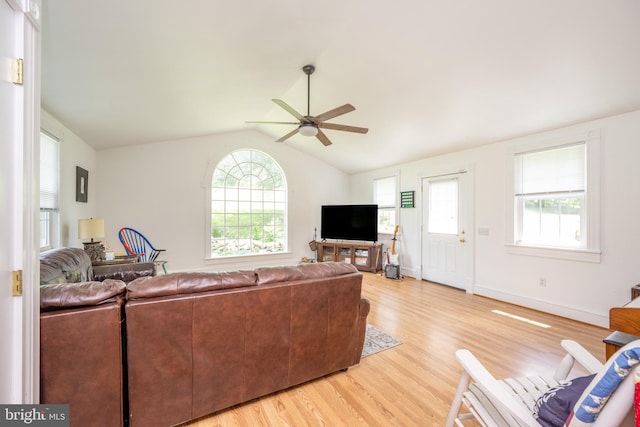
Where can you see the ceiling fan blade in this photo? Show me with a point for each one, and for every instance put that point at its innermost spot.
(287, 136)
(344, 109)
(274, 123)
(335, 126)
(286, 106)
(323, 138)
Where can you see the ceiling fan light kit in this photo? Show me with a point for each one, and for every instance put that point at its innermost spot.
(310, 125)
(308, 130)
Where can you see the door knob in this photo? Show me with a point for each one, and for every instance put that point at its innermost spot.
(462, 240)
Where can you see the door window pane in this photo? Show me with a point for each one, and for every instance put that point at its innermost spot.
(443, 207)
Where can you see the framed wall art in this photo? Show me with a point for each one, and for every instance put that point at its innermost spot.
(82, 184)
(406, 199)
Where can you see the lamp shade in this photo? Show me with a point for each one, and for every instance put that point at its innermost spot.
(90, 228)
(308, 130)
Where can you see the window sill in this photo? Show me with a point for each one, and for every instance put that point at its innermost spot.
(249, 256)
(582, 255)
(385, 233)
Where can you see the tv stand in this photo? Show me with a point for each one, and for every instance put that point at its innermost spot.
(364, 256)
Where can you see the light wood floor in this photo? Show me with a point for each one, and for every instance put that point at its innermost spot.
(413, 384)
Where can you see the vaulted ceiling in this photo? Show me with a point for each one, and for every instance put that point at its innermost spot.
(426, 76)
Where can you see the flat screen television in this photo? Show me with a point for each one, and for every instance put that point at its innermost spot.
(349, 222)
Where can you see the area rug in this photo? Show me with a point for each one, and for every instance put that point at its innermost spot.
(375, 340)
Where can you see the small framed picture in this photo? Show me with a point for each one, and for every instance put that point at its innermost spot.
(82, 184)
(406, 199)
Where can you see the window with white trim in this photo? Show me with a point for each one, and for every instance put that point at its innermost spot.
(550, 197)
(555, 203)
(248, 205)
(385, 196)
(49, 179)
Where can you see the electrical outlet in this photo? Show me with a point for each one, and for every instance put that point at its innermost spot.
(543, 282)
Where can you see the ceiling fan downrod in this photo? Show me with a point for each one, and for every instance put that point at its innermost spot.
(308, 70)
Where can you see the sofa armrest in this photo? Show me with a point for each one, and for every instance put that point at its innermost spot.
(365, 306)
(361, 330)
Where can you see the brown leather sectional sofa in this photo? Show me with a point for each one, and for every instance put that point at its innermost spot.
(196, 343)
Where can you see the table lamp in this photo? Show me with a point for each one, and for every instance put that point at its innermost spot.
(92, 229)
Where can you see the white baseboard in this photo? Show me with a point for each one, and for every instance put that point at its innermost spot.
(596, 319)
(411, 272)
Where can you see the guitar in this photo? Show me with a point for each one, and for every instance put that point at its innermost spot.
(393, 257)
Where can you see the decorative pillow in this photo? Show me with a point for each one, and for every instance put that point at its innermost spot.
(73, 262)
(553, 408)
(50, 274)
(596, 397)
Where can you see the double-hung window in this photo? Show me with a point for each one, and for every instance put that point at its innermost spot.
(555, 199)
(550, 197)
(49, 179)
(384, 195)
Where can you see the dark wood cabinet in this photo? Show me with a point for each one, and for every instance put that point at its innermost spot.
(365, 257)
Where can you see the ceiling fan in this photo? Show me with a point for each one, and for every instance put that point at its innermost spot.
(312, 125)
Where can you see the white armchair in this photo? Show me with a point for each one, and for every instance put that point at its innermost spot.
(607, 400)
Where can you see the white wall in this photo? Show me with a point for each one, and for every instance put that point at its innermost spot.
(73, 152)
(160, 190)
(579, 290)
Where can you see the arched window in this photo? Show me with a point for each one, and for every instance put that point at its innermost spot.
(248, 205)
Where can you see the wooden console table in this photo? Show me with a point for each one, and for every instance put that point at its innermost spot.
(365, 256)
(625, 323)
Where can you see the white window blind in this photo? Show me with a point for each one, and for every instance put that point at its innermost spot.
(384, 191)
(385, 196)
(561, 170)
(49, 165)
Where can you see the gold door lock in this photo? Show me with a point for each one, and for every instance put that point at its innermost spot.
(462, 240)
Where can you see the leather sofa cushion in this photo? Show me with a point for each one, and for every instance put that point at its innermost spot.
(67, 295)
(185, 283)
(304, 271)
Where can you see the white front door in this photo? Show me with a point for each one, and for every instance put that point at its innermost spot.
(19, 113)
(446, 241)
